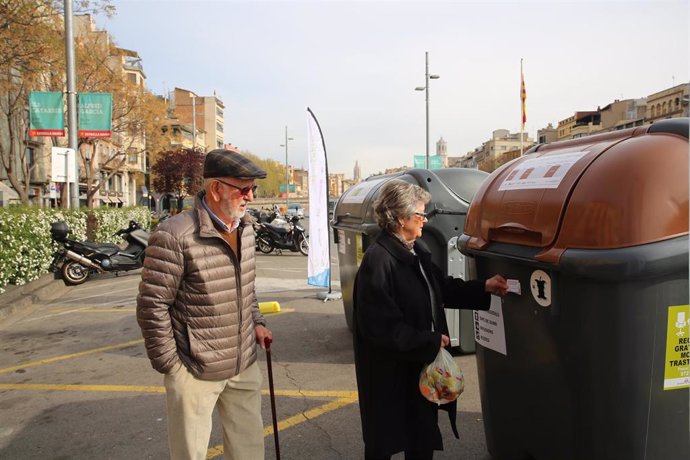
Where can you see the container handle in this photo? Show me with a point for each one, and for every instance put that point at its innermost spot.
(515, 232)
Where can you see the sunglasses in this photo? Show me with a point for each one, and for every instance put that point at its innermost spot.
(243, 190)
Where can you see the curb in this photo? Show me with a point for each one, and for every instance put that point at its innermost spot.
(17, 298)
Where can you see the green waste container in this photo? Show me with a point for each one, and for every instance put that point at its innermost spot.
(590, 361)
(355, 226)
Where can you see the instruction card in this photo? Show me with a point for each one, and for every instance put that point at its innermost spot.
(488, 327)
(677, 372)
(543, 172)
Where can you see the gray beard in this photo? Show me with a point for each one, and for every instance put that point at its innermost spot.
(238, 214)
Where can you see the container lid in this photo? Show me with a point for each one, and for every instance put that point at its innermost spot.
(611, 190)
(451, 190)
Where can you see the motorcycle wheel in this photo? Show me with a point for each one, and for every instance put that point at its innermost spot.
(303, 245)
(74, 273)
(263, 243)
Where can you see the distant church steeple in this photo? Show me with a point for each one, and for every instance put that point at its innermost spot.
(357, 172)
(442, 149)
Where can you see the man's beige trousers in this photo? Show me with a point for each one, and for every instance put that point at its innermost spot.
(190, 404)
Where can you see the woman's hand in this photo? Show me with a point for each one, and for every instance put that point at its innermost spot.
(445, 341)
(496, 285)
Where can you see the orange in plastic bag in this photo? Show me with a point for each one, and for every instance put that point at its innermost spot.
(442, 381)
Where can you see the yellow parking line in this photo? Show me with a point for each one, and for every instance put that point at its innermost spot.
(289, 422)
(160, 389)
(344, 398)
(73, 355)
(92, 388)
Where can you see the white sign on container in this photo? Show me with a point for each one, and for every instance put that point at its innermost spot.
(489, 331)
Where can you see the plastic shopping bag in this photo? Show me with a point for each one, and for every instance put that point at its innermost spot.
(442, 381)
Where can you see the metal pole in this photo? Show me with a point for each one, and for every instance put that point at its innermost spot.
(287, 180)
(522, 116)
(71, 103)
(194, 121)
(426, 53)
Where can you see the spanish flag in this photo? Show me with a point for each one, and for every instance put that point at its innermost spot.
(523, 95)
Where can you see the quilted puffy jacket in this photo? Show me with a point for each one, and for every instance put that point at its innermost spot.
(196, 300)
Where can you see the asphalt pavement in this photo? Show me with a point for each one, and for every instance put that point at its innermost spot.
(75, 381)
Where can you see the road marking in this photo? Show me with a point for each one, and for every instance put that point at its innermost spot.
(134, 288)
(344, 398)
(88, 388)
(339, 395)
(63, 312)
(70, 356)
(289, 422)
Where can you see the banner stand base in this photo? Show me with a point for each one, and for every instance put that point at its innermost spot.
(326, 296)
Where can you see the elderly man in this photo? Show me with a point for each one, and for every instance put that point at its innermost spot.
(199, 316)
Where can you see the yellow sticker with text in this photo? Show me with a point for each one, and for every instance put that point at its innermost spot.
(358, 245)
(677, 372)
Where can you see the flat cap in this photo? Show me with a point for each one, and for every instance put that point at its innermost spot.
(226, 163)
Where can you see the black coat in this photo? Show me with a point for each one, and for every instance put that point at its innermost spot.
(393, 340)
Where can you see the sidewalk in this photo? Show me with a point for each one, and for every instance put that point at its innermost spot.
(17, 298)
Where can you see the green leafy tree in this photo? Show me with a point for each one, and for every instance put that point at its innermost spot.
(275, 175)
(179, 173)
(31, 59)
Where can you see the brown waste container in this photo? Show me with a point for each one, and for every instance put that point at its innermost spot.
(591, 360)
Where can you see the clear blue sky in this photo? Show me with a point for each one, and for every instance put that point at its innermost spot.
(356, 64)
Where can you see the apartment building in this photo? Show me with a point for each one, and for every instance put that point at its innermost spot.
(492, 151)
(203, 114)
(300, 178)
(546, 135)
(668, 103)
(335, 184)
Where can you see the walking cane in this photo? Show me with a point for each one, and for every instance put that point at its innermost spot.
(267, 343)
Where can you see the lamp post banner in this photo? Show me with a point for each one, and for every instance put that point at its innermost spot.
(95, 115)
(318, 263)
(46, 114)
(435, 162)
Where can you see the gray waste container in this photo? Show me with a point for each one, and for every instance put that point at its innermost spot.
(451, 190)
(591, 360)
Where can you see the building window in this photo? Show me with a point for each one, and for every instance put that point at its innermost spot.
(219, 127)
(30, 157)
(219, 112)
(132, 78)
(219, 142)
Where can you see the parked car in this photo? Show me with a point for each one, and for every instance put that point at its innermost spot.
(295, 209)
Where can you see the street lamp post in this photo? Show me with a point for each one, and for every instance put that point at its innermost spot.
(426, 89)
(193, 96)
(72, 125)
(287, 180)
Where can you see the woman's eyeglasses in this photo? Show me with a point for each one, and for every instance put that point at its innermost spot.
(243, 190)
(423, 215)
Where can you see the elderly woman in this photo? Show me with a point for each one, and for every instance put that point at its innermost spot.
(400, 326)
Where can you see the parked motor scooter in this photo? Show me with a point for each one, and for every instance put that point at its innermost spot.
(270, 236)
(77, 260)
